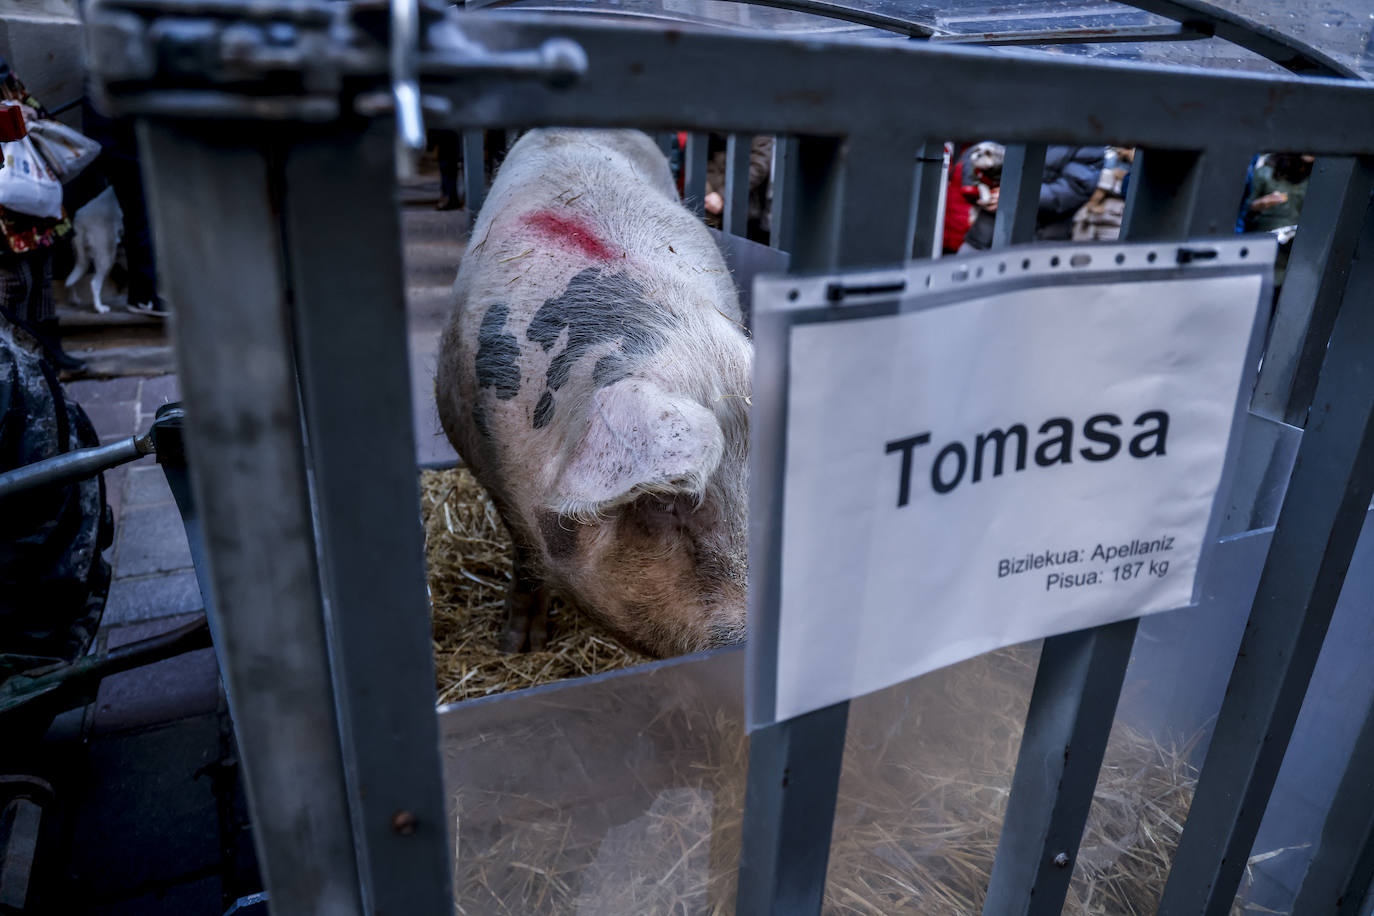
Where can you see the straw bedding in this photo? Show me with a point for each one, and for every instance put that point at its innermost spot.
(924, 788)
(468, 553)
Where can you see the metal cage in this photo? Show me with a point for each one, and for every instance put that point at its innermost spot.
(264, 126)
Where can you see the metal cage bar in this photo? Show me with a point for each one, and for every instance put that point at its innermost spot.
(875, 216)
(927, 229)
(735, 219)
(1078, 682)
(1018, 203)
(1179, 193)
(244, 446)
(1343, 865)
(1077, 685)
(1329, 226)
(843, 192)
(665, 139)
(694, 172)
(348, 302)
(474, 169)
(781, 219)
(807, 87)
(1319, 523)
(794, 765)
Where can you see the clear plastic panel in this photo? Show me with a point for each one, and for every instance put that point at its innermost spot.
(1343, 30)
(713, 13)
(927, 769)
(1174, 686)
(1208, 54)
(1341, 690)
(616, 794)
(623, 793)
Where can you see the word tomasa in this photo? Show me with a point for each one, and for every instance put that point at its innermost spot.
(997, 450)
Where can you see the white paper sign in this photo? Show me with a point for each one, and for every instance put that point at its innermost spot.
(976, 474)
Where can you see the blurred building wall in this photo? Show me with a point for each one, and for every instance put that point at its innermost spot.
(41, 39)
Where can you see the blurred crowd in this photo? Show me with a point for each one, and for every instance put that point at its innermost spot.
(1083, 196)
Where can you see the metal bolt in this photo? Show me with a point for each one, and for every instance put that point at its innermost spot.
(1062, 860)
(404, 823)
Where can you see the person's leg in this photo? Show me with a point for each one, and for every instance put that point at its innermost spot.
(447, 147)
(26, 299)
(14, 288)
(42, 310)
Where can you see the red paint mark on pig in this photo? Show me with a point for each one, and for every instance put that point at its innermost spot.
(567, 230)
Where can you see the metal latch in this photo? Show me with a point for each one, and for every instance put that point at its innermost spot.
(558, 61)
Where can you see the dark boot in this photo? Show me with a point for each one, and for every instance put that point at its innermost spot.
(51, 338)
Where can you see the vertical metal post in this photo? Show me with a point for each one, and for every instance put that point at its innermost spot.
(221, 262)
(350, 322)
(927, 230)
(1077, 686)
(782, 220)
(664, 139)
(845, 214)
(1198, 191)
(735, 220)
(694, 171)
(474, 170)
(1018, 202)
(1330, 223)
(1078, 682)
(1343, 865)
(871, 203)
(1323, 512)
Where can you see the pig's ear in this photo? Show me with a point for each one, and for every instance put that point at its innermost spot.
(639, 439)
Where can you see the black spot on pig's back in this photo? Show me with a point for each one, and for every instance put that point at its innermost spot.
(543, 411)
(598, 307)
(497, 363)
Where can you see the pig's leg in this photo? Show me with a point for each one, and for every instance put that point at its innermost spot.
(527, 606)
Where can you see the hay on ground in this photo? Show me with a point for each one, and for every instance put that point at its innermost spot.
(468, 554)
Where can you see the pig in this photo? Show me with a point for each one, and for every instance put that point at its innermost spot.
(595, 377)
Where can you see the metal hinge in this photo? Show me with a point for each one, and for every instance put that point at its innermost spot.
(297, 60)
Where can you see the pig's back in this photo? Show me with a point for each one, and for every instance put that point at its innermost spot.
(583, 266)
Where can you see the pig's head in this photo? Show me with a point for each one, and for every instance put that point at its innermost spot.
(647, 526)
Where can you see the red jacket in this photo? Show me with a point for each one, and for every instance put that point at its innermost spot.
(959, 198)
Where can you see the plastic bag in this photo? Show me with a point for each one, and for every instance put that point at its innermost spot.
(67, 151)
(27, 184)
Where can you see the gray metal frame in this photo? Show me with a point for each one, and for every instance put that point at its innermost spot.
(1343, 866)
(794, 766)
(1321, 519)
(245, 448)
(327, 743)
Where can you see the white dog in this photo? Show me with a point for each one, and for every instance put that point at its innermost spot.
(98, 226)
